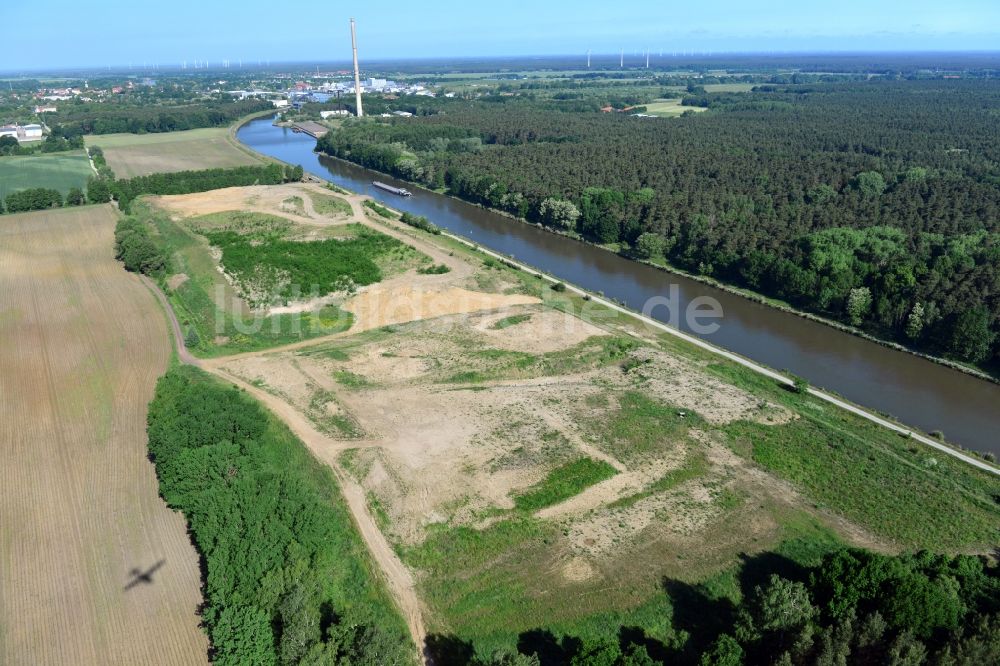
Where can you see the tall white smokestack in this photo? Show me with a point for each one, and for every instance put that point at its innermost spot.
(357, 74)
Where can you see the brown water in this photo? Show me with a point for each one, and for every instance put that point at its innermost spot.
(918, 392)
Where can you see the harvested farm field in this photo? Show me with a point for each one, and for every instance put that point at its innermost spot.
(94, 568)
(131, 155)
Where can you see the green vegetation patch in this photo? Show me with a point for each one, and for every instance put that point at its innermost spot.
(204, 300)
(434, 269)
(379, 209)
(512, 320)
(494, 364)
(268, 267)
(642, 427)
(57, 171)
(273, 259)
(302, 587)
(564, 482)
(893, 491)
(328, 204)
(349, 379)
(895, 487)
(695, 466)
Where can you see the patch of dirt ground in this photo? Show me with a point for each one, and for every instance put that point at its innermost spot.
(434, 452)
(382, 305)
(259, 198)
(543, 331)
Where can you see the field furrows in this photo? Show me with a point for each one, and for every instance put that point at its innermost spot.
(79, 511)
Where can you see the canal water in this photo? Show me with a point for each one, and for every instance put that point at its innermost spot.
(916, 391)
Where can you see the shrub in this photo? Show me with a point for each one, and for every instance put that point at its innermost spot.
(379, 209)
(135, 248)
(35, 198)
(436, 269)
(420, 222)
(799, 385)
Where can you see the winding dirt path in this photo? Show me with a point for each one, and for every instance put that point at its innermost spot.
(398, 578)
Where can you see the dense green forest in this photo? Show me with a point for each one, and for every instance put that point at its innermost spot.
(81, 118)
(875, 203)
(286, 578)
(851, 607)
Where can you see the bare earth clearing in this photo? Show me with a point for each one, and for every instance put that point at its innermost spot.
(452, 395)
(84, 343)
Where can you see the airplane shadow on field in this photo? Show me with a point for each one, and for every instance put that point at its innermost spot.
(140, 577)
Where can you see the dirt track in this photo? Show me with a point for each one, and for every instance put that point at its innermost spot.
(398, 578)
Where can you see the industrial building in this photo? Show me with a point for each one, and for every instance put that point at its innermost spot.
(23, 132)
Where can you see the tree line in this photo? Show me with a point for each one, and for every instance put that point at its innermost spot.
(874, 203)
(53, 143)
(184, 182)
(286, 578)
(102, 189)
(103, 118)
(41, 198)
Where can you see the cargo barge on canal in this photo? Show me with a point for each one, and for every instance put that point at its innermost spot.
(403, 192)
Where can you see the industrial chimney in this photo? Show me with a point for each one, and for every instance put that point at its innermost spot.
(357, 74)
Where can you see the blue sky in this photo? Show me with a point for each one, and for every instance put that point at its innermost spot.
(72, 33)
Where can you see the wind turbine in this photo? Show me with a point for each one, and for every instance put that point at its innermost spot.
(588, 58)
(621, 59)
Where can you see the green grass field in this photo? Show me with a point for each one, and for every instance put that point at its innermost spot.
(328, 204)
(669, 108)
(131, 155)
(59, 171)
(729, 87)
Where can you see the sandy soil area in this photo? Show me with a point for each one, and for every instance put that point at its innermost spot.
(452, 394)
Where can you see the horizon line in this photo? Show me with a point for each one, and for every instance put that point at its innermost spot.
(254, 63)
